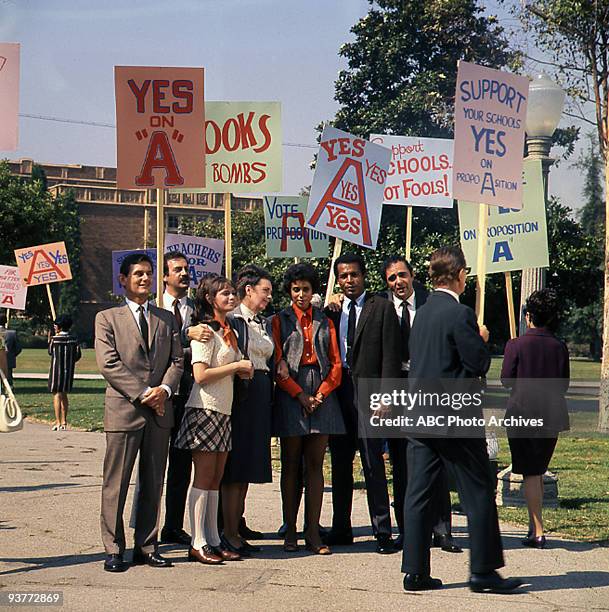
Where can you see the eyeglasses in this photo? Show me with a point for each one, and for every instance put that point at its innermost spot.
(394, 277)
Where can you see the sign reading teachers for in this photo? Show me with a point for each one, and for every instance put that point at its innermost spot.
(421, 170)
(285, 231)
(346, 198)
(9, 95)
(490, 112)
(117, 259)
(204, 255)
(13, 293)
(516, 239)
(43, 264)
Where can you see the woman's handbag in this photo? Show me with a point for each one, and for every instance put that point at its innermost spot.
(11, 418)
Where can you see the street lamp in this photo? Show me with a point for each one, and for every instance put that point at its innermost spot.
(544, 108)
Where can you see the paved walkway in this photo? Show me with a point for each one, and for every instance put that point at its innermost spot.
(49, 540)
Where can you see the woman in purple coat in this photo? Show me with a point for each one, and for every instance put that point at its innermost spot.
(536, 367)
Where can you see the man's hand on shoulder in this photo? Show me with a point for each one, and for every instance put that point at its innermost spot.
(200, 332)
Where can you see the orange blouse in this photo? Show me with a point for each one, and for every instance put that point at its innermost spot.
(305, 319)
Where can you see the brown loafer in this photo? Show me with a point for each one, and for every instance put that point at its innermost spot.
(205, 555)
(323, 549)
(290, 547)
(227, 555)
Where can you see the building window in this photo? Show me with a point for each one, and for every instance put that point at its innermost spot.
(173, 223)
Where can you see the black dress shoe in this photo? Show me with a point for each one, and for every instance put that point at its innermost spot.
(385, 545)
(534, 542)
(398, 543)
(337, 538)
(115, 563)
(492, 582)
(246, 546)
(152, 559)
(420, 582)
(249, 534)
(175, 536)
(446, 543)
(240, 550)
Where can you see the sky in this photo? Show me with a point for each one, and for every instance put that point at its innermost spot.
(284, 50)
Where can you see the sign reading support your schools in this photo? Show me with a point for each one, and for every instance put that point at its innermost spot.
(43, 264)
(420, 173)
(516, 239)
(285, 230)
(9, 96)
(204, 255)
(117, 259)
(490, 113)
(346, 197)
(13, 293)
(159, 136)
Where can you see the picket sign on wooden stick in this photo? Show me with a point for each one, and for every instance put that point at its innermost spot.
(338, 246)
(8, 316)
(53, 313)
(481, 262)
(146, 225)
(509, 293)
(160, 244)
(228, 236)
(408, 231)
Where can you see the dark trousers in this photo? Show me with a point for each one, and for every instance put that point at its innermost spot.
(178, 473)
(468, 460)
(342, 449)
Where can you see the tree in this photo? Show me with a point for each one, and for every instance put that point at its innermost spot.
(592, 213)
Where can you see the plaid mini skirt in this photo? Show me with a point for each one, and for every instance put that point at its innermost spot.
(204, 430)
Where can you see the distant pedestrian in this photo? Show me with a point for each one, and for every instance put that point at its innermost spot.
(65, 352)
(12, 346)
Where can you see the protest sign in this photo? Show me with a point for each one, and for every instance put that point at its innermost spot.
(285, 231)
(347, 193)
(9, 96)
(243, 148)
(117, 259)
(159, 135)
(13, 293)
(490, 113)
(204, 255)
(420, 173)
(516, 239)
(43, 264)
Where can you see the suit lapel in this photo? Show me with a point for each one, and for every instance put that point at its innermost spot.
(129, 320)
(363, 317)
(153, 324)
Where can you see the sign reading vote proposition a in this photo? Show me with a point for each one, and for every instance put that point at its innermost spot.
(13, 293)
(285, 231)
(204, 255)
(159, 135)
(420, 173)
(490, 112)
(346, 199)
(9, 96)
(516, 239)
(43, 264)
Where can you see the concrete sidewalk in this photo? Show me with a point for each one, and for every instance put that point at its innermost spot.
(49, 541)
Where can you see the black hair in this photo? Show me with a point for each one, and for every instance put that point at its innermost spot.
(350, 258)
(64, 322)
(301, 272)
(205, 294)
(250, 274)
(132, 259)
(393, 259)
(542, 307)
(170, 256)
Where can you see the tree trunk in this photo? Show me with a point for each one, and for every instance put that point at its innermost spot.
(603, 398)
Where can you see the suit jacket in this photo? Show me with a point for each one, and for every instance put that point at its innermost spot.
(129, 369)
(376, 348)
(13, 348)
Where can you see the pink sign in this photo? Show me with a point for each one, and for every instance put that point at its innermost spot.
(9, 95)
(13, 293)
(490, 113)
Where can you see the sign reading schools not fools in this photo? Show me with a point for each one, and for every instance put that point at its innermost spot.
(346, 198)
(204, 255)
(285, 232)
(13, 293)
(516, 239)
(490, 112)
(421, 170)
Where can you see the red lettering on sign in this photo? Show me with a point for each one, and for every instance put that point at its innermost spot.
(305, 233)
(182, 90)
(139, 93)
(159, 155)
(50, 262)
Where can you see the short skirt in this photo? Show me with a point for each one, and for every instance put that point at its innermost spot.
(204, 430)
(531, 456)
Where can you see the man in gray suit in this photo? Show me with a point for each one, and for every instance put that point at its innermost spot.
(13, 348)
(139, 353)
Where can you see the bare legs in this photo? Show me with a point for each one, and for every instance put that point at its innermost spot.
(60, 406)
(533, 493)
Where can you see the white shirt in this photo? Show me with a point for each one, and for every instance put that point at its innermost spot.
(398, 304)
(450, 292)
(344, 323)
(185, 309)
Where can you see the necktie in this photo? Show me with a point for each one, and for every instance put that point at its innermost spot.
(144, 326)
(177, 313)
(405, 329)
(350, 332)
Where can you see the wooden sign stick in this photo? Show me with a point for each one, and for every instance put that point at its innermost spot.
(509, 293)
(160, 244)
(408, 231)
(481, 262)
(228, 242)
(338, 246)
(53, 313)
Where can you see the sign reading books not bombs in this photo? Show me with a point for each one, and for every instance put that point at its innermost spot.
(13, 293)
(346, 197)
(285, 231)
(43, 264)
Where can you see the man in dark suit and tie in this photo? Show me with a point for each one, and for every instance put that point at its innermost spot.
(139, 353)
(369, 342)
(445, 343)
(13, 348)
(408, 295)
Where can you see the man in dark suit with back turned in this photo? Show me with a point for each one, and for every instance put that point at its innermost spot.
(139, 353)
(369, 342)
(445, 343)
(408, 295)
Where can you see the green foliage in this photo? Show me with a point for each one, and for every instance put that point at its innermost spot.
(592, 213)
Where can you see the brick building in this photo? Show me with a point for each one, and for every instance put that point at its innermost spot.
(114, 219)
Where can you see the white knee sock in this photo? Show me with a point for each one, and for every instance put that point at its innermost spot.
(211, 519)
(197, 503)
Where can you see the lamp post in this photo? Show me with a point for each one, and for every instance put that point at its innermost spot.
(544, 108)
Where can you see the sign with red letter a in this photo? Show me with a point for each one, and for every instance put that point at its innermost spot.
(347, 193)
(160, 136)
